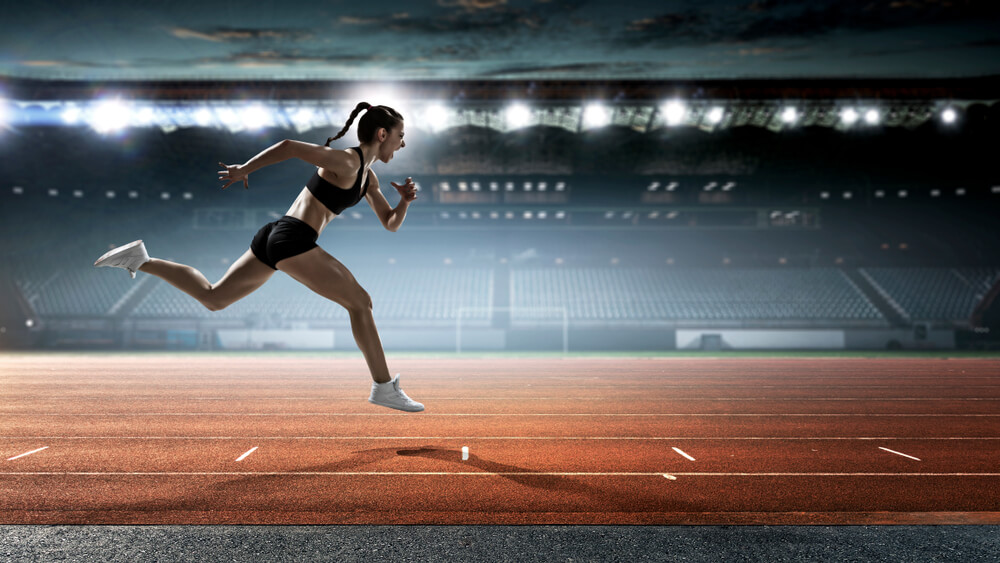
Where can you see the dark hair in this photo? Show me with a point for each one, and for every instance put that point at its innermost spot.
(377, 117)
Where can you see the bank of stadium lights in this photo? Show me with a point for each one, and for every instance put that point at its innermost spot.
(595, 116)
(517, 116)
(872, 117)
(949, 115)
(848, 116)
(110, 116)
(674, 112)
(790, 115)
(714, 115)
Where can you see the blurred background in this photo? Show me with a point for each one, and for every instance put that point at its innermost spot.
(664, 176)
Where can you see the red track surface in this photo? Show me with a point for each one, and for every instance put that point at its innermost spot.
(155, 440)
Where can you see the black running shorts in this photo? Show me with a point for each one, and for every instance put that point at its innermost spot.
(282, 239)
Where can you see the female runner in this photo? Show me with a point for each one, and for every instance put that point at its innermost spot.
(342, 179)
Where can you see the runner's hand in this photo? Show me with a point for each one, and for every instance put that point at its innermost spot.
(407, 191)
(234, 173)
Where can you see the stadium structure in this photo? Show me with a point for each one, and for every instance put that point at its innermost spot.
(574, 215)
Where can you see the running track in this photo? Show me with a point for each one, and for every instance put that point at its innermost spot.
(209, 439)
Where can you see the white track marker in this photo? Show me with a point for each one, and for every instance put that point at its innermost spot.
(669, 476)
(683, 454)
(465, 453)
(898, 453)
(27, 453)
(244, 456)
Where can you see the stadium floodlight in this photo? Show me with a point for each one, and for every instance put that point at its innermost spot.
(560, 186)
(653, 186)
(560, 214)
(518, 116)
(790, 115)
(848, 195)
(949, 115)
(959, 191)
(674, 112)
(143, 116)
(463, 186)
(595, 115)
(729, 186)
(109, 194)
(445, 187)
(672, 186)
(527, 186)
(903, 193)
(879, 193)
(203, 117)
(542, 215)
(872, 117)
(110, 116)
(255, 117)
(542, 186)
(494, 186)
(71, 115)
(848, 116)
(935, 193)
(436, 117)
(715, 115)
(824, 195)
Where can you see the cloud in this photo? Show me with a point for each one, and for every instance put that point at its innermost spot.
(783, 19)
(226, 35)
(473, 5)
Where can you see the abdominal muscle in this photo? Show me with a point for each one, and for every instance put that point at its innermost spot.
(308, 209)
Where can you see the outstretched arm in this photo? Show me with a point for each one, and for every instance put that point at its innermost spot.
(283, 150)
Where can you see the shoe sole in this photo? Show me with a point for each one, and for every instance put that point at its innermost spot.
(397, 407)
(111, 253)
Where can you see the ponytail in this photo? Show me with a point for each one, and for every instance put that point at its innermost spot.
(357, 110)
(376, 117)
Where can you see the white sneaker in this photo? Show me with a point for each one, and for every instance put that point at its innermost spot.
(390, 395)
(130, 257)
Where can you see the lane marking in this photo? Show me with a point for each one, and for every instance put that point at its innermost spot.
(588, 414)
(465, 453)
(244, 456)
(683, 454)
(494, 399)
(482, 474)
(671, 477)
(27, 453)
(678, 438)
(899, 453)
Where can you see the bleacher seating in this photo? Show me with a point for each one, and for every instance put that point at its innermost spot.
(933, 294)
(643, 294)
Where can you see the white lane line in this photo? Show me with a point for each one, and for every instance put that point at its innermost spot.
(683, 454)
(899, 453)
(488, 473)
(27, 453)
(626, 438)
(669, 476)
(244, 456)
(587, 414)
(465, 453)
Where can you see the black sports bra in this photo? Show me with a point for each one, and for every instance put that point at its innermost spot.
(336, 199)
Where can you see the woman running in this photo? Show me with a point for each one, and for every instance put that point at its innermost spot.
(342, 179)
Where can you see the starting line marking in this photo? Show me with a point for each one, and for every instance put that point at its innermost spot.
(244, 456)
(683, 454)
(27, 453)
(465, 453)
(899, 453)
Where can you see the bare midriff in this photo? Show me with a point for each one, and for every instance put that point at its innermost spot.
(308, 209)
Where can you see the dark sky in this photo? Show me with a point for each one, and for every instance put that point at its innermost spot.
(475, 39)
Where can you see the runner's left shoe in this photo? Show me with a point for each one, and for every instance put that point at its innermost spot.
(129, 257)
